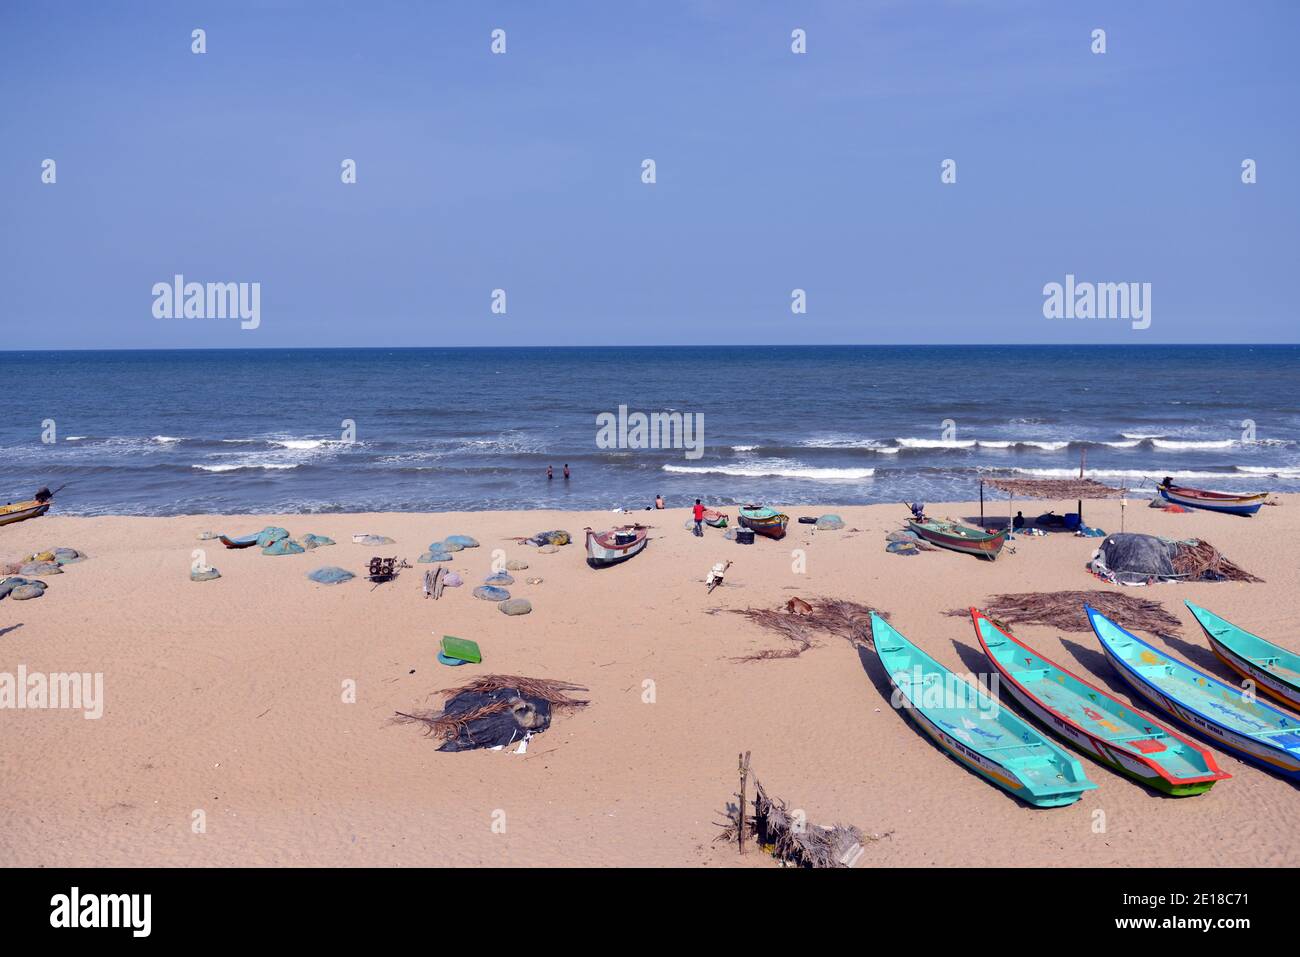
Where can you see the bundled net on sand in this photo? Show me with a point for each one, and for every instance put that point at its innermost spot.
(1064, 610)
(850, 620)
(452, 725)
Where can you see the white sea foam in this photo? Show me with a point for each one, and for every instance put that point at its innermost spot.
(233, 467)
(1180, 445)
(165, 439)
(1142, 435)
(1155, 474)
(1025, 443)
(936, 443)
(1124, 444)
(778, 470)
(73, 438)
(743, 448)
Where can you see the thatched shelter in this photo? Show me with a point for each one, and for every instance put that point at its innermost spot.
(1061, 489)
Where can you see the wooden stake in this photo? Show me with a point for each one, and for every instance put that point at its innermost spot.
(743, 761)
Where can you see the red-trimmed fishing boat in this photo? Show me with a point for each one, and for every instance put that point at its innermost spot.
(715, 518)
(248, 541)
(1230, 502)
(616, 545)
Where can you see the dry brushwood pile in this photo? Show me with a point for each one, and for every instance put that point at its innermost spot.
(789, 839)
(1064, 610)
(1200, 561)
(846, 619)
(494, 710)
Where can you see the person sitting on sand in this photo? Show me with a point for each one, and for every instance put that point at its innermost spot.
(1019, 520)
(659, 501)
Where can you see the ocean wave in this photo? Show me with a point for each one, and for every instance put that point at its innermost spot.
(743, 448)
(775, 470)
(1142, 435)
(1155, 474)
(165, 439)
(236, 466)
(1044, 446)
(936, 443)
(1124, 444)
(1193, 444)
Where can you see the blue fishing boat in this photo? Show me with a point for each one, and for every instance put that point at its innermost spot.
(1221, 713)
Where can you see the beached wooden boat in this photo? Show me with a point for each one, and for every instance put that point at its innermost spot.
(1273, 668)
(714, 518)
(763, 520)
(1230, 502)
(21, 511)
(616, 545)
(1248, 729)
(972, 727)
(960, 538)
(248, 541)
(1094, 722)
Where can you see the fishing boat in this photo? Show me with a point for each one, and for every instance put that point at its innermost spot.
(974, 729)
(959, 538)
(21, 511)
(1272, 668)
(248, 541)
(1249, 729)
(763, 520)
(616, 545)
(715, 518)
(1230, 502)
(1094, 722)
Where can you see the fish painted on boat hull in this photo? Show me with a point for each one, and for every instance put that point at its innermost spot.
(975, 731)
(1210, 501)
(1094, 722)
(1274, 669)
(1250, 730)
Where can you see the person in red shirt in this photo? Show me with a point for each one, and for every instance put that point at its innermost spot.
(699, 518)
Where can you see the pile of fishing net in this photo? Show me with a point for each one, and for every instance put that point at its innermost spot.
(1132, 559)
(798, 624)
(494, 711)
(1064, 610)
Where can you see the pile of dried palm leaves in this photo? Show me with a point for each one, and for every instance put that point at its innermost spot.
(1197, 560)
(790, 839)
(449, 726)
(846, 619)
(1064, 610)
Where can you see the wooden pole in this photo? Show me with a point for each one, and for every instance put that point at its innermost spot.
(1083, 455)
(743, 761)
(981, 503)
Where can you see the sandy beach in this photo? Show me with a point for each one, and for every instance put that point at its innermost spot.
(225, 698)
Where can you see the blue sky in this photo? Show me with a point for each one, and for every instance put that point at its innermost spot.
(522, 171)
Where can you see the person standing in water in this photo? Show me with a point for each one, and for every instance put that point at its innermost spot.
(566, 471)
(550, 473)
(659, 501)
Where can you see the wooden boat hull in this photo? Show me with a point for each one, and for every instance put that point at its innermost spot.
(974, 543)
(21, 511)
(1094, 722)
(603, 550)
(1274, 669)
(715, 519)
(773, 527)
(973, 729)
(246, 542)
(1250, 730)
(1210, 501)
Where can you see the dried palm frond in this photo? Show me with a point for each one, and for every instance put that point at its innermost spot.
(1064, 610)
(850, 620)
(1200, 561)
(790, 839)
(548, 689)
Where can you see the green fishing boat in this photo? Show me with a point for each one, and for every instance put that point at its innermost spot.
(1096, 723)
(960, 538)
(973, 728)
(1273, 668)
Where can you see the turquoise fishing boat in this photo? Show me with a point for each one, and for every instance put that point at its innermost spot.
(764, 520)
(1249, 729)
(1273, 669)
(973, 728)
(1094, 722)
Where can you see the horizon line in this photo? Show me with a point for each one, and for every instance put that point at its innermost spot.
(682, 345)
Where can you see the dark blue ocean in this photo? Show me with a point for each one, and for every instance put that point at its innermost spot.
(435, 429)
